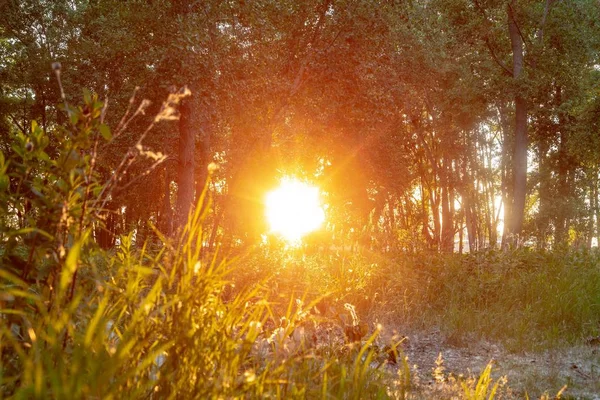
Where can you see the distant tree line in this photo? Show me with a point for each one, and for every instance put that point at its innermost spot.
(427, 123)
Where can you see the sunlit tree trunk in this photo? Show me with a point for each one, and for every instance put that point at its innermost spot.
(393, 237)
(489, 195)
(507, 174)
(203, 153)
(447, 234)
(520, 129)
(544, 193)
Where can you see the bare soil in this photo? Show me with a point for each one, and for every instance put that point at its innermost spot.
(532, 374)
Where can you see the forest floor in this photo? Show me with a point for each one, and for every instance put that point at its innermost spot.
(535, 374)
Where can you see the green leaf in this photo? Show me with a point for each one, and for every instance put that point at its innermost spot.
(70, 265)
(10, 277)
(18, 149)
(4, 182)
(91, 330)
(37, 192)
(26, 231)
(105, 132)
(43, 156)
(87, 96)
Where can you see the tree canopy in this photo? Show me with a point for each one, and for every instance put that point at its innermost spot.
(443, 124)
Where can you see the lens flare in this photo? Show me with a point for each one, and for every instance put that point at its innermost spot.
(294, 209)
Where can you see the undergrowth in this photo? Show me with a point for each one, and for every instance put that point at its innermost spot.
(528, 300)
(169, 320)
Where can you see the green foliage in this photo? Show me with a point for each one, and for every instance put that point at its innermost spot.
(47, 201)
(423, 105)
(401, 124)
(528, 300)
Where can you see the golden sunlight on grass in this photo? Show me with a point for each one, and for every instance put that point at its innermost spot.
(294, 209)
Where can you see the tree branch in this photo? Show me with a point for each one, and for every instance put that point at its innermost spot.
(14, 120)
(486, 39)
(512, 16)
(496, 59)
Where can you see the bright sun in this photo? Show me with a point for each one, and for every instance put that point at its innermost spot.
(294, 209)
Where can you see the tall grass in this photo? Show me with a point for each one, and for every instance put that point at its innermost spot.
(528, 300)
(160, 324)
(525, 299)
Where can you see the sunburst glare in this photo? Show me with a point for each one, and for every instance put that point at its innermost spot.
(294, 209)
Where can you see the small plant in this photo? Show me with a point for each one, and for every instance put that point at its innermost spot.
(483, 389)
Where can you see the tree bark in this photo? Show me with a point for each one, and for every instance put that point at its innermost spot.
(596, 202)
(564, 192)
(545, 199)
(520, 129)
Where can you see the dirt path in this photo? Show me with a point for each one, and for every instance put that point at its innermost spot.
(534, 373)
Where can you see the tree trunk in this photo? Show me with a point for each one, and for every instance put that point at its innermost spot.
(185, 175)
(166, 214)
(596, 202)
(507, 173)
(544, 194)
(520, 149)
(592, 210)
(203, 150)
(435, 213)
(447, 238)
(564, 192)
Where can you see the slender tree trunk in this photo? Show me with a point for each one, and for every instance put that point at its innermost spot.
(185, 177)
(564, 191)
(393, 237)
(203, 151)
(592, 211)
(166, 213)
(544, 194)
(426, 230)
(468, 206)
(447, 237)
(461, 234)
(520, 149)
(596, 202)
(491, 217)
(507, 173)
(470, 221)
(435, 213)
